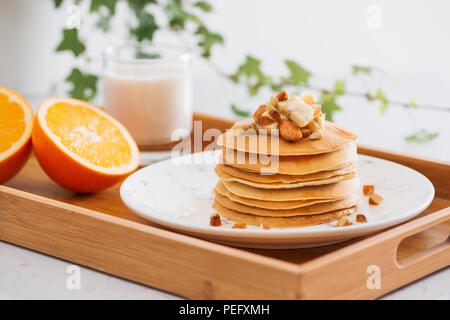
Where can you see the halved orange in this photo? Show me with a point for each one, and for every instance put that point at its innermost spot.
(81, 147)
(16, 122)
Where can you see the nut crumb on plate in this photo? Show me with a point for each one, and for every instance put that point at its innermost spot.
(375, 199)
(368, 189)
(343, 221)
(215, 220)
(240, 225)
(361, 218)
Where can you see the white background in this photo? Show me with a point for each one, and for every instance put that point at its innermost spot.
(325, 36)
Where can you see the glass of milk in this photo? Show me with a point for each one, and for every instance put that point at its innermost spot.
(148, 88)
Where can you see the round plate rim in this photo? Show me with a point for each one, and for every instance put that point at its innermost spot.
(275, 233)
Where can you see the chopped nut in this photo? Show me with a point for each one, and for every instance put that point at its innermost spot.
(261, 109)
(275, 115)
(265, 226)
(375, 199)
(282, 96)
(368, 189)
(290, 131)
(361, 218)
(305, 132)
(265, 121)
(308, 98)
(343, 221)
(240, 225)
(215, 220)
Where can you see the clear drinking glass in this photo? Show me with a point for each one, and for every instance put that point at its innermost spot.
(148, 88)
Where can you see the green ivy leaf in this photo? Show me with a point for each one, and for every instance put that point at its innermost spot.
(208, 40)
(339, 87)
(421, 136)
(177, 15)
(250, 69)
(84, 85)
(203, 5)
(240, 112)
(71, 42)
(252, 72)
(57, 3)
(138, 5)
(146, 26)
(109, 4)
(299, 75)
(384, 102)
(329, 105)
(276, 87)
(362, 69)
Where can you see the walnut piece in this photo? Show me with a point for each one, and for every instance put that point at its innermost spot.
(214, 220)
(375, 199)
(361, 218)
(290, 131)
(368, 189)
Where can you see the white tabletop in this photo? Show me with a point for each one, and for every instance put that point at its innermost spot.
(25, 274)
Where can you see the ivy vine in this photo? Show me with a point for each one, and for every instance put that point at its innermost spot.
(186, 16)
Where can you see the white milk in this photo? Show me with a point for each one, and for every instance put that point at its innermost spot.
(152, 98)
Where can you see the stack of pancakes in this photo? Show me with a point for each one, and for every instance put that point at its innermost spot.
(312, 182)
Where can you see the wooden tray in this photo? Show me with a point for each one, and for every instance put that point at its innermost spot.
(98, 231)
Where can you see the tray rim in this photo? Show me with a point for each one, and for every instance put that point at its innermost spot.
(167, 234)
(242, 253)
(286, 268)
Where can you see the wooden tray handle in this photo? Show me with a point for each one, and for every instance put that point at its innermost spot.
(362, 261)
(422, 258)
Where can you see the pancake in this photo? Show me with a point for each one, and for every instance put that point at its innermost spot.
(277, 185)
(273, 205)
(318, 208)
(291, 165)
(335, 138)
(329, 191)
(281, 222)
(281, 178)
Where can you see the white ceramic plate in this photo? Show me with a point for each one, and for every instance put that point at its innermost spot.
(177, 193)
